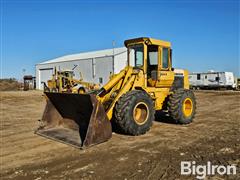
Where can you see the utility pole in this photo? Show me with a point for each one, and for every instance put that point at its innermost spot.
(23, 72)
(113, 45)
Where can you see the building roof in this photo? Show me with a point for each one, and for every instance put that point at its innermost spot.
(87, 55)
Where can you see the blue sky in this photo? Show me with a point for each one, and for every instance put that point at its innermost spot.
(204, 34)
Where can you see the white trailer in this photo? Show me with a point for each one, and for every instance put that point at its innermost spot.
(212, 80)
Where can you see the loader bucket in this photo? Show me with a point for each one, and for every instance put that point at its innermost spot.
(75, 119)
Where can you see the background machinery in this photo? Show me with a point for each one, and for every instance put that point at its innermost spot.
(63, 81)
(130, 99)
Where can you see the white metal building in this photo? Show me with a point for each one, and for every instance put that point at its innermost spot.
(95, 66)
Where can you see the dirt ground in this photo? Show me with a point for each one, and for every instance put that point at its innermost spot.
(213, 136)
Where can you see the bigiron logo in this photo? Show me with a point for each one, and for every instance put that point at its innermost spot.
(201, 171)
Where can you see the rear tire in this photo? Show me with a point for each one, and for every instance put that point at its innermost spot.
(182, 106)
(134, 113)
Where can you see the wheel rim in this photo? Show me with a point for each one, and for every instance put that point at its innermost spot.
(140, 113)
(187, 107)
(81, 91)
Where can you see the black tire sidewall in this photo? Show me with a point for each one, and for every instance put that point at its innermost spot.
(148, 122)
(124, 116)
(175, 106)
(183, 119)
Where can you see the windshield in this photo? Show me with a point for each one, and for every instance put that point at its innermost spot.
(135, 55)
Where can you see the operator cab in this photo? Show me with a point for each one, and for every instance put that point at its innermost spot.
(67, 73)
(154, 58)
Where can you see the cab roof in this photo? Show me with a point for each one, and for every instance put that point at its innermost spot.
(149, 41)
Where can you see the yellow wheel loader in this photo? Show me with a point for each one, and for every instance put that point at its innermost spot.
(130, 99)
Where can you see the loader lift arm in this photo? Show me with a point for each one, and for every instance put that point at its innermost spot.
(116, 87)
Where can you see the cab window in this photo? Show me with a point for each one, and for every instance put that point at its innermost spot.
(136, 55)
(153, 55)
(152, 61)
(165, 58)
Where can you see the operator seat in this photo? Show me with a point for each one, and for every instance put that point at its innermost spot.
(153, 78)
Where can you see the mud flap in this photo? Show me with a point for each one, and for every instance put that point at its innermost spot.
(75, 119)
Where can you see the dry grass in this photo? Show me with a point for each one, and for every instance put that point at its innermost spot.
(9, 84)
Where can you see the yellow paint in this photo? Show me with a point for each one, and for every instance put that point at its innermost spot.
(140, 113)
(56, 83)
(165, 79)
(131, 78)
(186, 80)
(187, 107)
(115, 79)
(146, 40)
(160, 97)
(122, 91)
(140, 79)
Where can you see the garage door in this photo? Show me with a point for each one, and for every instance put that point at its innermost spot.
(44, 76)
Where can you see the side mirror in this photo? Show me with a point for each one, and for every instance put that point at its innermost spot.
(172, 69)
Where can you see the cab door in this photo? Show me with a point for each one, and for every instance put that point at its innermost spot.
(165, 74)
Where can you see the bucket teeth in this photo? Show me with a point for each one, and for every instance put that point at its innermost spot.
(76, 119)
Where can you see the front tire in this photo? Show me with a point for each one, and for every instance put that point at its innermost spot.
(182, 106)
(134, 113)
